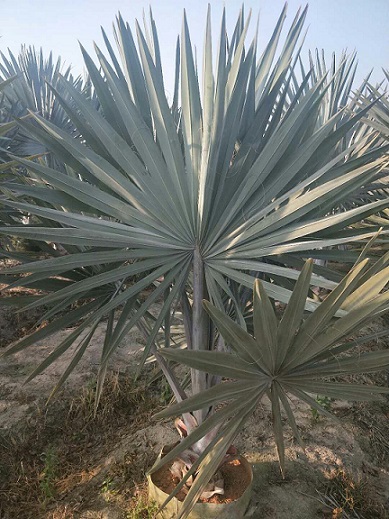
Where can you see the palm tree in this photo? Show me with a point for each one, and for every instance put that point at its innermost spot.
(25, 89)
(30, 92)
(234, 180)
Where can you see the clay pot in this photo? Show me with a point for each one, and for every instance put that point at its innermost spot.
(234, 509)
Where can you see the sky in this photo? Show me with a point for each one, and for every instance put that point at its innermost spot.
(57, 25)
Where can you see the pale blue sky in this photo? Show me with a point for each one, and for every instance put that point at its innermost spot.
(332, 24)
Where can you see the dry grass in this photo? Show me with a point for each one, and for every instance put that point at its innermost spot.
(373, 421)
(54, 467)
(347, 497)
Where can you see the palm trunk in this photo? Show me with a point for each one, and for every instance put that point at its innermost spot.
(200, 328)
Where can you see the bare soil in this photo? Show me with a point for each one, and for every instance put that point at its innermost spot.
(62, 462)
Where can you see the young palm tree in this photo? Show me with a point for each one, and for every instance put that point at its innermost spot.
(232, 181)
(296, 355)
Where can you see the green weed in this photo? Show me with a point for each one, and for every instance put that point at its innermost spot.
(325, 402)
(48, 475)
(142, 509)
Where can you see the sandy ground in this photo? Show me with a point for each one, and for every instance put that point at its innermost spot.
(330, 448)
